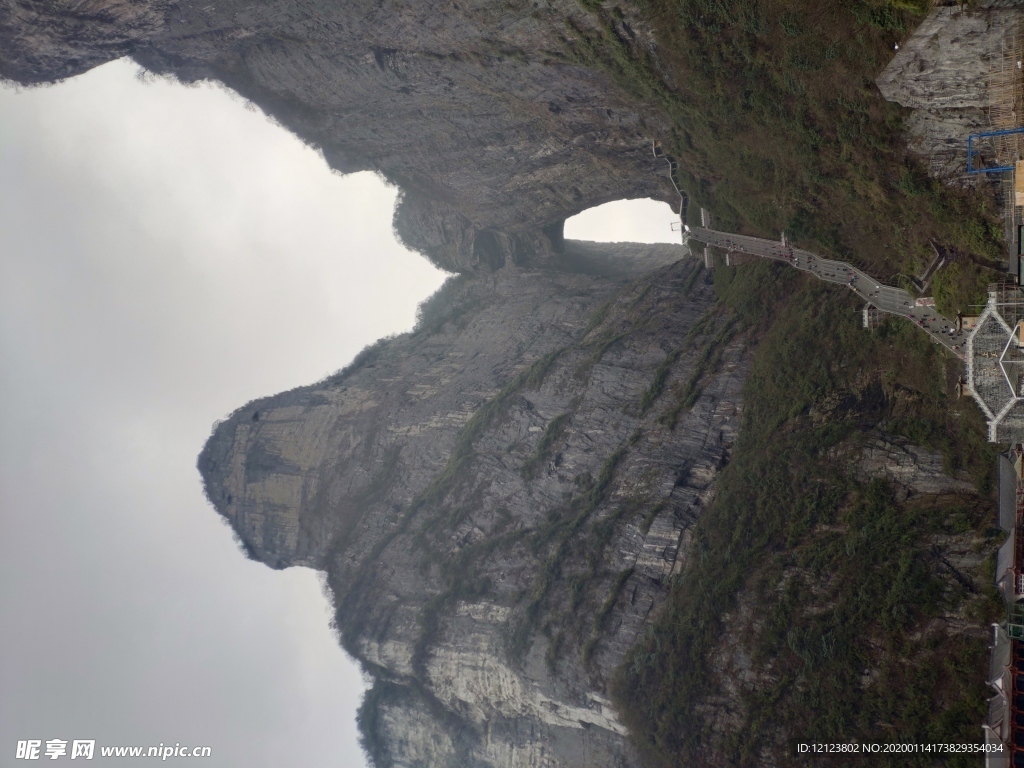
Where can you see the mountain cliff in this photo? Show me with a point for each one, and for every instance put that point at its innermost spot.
(496, 500)
(486, 116)
(601, 473)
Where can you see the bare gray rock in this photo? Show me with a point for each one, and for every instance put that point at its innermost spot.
(943, 73)
(909, 468)
(492, 120)
(499, 500)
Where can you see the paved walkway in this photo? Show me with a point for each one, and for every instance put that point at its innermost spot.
(895, 301)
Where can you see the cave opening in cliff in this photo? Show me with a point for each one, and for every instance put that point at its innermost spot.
(625, 221)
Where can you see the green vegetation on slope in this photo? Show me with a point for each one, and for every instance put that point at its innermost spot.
(856, 620)
(778, 125)
(831, 586)
(861, 625)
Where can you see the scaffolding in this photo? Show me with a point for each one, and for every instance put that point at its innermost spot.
(1009, 301)
(1000, 149)
(1006, 99)
(1006, 114)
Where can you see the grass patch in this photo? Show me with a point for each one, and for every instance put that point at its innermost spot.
(545, 448)
(564, 523)
(962, 286)
(840, 576)
(606, 608)
(657, 386)
(777, 125)
(706, 364)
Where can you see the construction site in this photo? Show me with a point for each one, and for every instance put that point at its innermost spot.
(988, 339)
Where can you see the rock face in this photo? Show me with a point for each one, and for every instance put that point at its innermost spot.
(488, 118)
(945, 73)
(909, 469)
(500, 498)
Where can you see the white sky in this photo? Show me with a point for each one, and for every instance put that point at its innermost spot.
(166, 255)
(625, 221)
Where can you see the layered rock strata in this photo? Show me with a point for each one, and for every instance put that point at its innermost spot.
(499, 499)
(494, 121)
(908, 468)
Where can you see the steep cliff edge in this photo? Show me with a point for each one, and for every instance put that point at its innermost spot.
(485, 116)
(500, 498)
(519, 508)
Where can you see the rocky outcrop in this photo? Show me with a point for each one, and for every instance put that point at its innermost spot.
(495, 122)
(500, 498)
(944, 73)
(910, 469)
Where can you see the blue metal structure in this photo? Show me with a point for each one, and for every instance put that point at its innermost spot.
(971, 152)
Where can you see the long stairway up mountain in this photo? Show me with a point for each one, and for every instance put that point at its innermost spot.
(885, 298)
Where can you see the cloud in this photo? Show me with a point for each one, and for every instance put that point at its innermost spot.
(166, 255)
